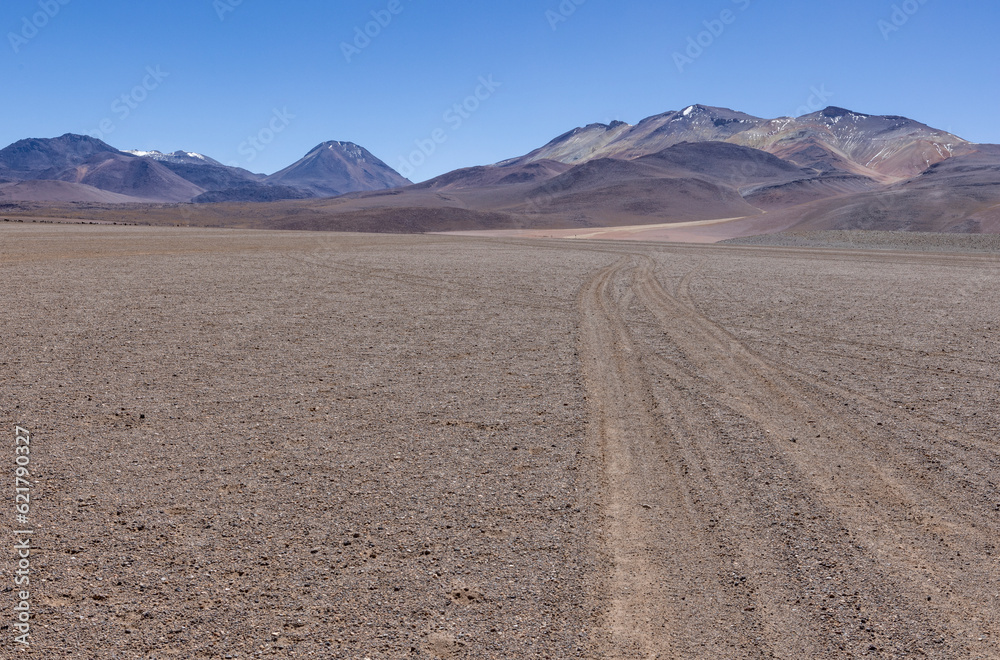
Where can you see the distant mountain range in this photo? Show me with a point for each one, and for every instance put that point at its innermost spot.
(95, 172)
(883, 148)
(832, 169)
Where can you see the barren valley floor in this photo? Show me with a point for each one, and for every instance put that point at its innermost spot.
(278, 444)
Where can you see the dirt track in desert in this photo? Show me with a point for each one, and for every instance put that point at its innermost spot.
(263, 444)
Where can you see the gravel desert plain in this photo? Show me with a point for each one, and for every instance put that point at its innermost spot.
(319, 445)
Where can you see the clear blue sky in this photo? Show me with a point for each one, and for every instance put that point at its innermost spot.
(225, 66)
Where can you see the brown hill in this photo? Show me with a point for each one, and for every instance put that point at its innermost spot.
(491, 175)
(697, 123)
(892, 146)
(60, 191)
(961, 194)
(132, 176)
(885, 148)
(37, 158)
(336, 168)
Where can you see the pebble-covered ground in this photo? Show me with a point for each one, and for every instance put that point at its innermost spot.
(261, 444)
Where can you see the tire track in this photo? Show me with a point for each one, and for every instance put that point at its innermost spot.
(901, 464)
(712, 550)
(616, 436)
(893, 515)
(663, 580)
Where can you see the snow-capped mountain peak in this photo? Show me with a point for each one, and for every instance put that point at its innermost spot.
(187, 157)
